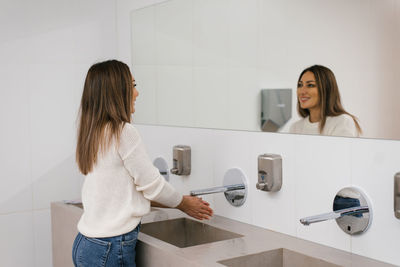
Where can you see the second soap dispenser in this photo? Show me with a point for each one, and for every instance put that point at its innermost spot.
(181, 160)
(269, 172)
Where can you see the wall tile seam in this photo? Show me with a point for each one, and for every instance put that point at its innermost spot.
(23, 211)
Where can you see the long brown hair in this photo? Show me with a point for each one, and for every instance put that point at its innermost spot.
(328, 94)
(106, 105)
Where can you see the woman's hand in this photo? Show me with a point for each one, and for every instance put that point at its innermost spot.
(195, 207)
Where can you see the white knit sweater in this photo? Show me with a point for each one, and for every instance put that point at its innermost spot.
(342, 125)
(117, 193)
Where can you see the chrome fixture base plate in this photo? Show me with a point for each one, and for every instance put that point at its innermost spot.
(349, 197)
(235, 176)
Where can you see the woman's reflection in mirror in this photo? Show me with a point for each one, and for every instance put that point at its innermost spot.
(319, 105)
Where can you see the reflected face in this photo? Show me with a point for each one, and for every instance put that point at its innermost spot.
(307, 91)
(134, 95)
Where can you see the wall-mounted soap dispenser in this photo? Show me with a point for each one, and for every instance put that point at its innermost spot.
(181, 160)
(269, 172)
(397, 195)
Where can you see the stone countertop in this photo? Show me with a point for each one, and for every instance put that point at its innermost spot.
(254, 240)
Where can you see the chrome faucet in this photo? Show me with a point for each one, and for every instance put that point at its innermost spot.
(218, 189)
(234, 187)
(334, 215)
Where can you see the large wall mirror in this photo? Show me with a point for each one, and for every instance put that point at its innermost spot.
(204, 63)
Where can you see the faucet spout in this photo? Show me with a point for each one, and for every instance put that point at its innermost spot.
(218, 189)
(334, 215)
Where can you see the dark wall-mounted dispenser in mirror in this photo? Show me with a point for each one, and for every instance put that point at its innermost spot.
(276, 108)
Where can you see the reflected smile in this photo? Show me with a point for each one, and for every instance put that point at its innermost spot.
(304, 99)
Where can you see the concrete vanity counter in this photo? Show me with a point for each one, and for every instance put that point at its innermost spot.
(155, 252)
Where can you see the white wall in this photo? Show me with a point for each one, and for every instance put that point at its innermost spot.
(315, 167)
(212, 58)
(46, 48)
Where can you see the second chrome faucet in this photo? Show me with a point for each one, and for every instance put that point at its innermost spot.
(351, 210)
(334, 215)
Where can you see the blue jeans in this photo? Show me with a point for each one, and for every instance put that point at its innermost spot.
(116, 251)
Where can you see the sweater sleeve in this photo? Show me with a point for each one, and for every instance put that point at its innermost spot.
(146, 177)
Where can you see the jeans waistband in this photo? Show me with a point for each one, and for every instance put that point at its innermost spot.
(124, 237)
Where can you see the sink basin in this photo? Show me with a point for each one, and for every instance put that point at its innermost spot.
(185, 232)
(277, 258)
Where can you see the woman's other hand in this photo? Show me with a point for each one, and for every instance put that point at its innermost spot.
(195, 207)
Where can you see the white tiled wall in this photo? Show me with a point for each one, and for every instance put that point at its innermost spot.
(42, 237)
(374, 162)
(174, 36)
(322, 167)
(209, 90)
(144, 21)
(315, 168)
(239, 80)
(178, 81)
(148, 110)
(15, 145)
(46, 48)
(267, 205)
(226, 156)
(17, 239)
(242, 33)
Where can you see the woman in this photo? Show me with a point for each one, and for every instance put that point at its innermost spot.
(318, 102)
(120, 180)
